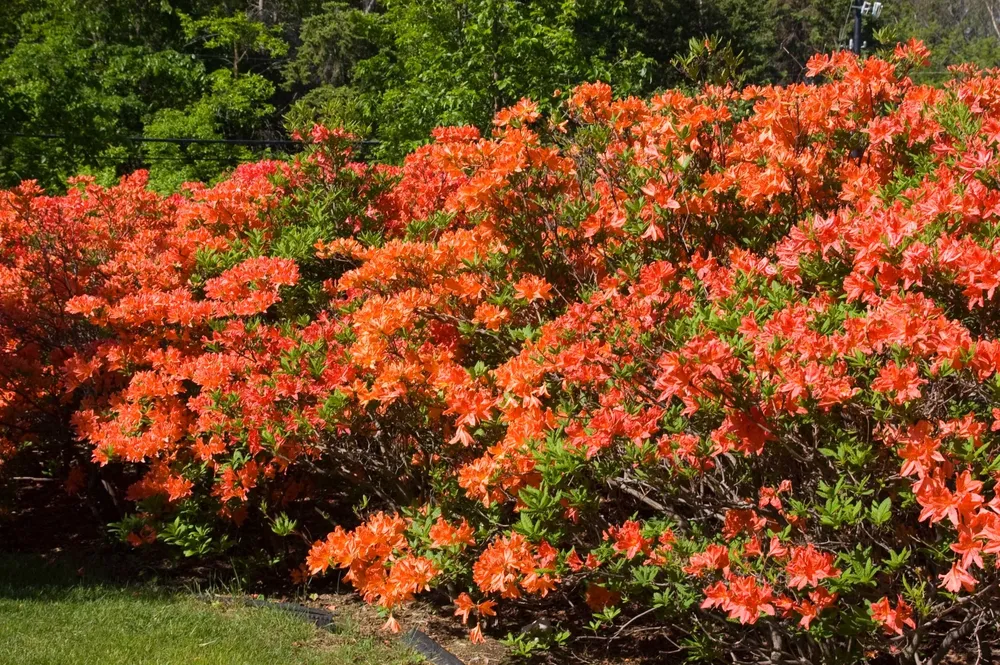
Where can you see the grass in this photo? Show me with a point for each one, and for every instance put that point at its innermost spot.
(49, 615)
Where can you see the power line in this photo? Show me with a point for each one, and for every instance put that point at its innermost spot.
(187, 141)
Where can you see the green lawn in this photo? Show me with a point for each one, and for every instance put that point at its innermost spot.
(47, 616)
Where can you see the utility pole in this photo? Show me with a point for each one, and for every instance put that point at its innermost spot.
(860, 9)
(856, 42)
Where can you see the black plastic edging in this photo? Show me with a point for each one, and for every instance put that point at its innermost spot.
(417, 640)
(314, 615)
(425, 645)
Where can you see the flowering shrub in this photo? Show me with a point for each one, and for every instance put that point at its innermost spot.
(724, 364)
(128, 314)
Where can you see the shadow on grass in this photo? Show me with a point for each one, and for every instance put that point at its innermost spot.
(39, 577)
(54, 612)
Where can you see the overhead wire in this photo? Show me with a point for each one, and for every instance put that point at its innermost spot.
(186, 140)
(138, 159)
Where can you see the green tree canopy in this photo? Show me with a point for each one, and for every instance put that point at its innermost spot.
(96, 72)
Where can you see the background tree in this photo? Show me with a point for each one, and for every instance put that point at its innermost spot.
(416, 64)
(955, 31)
(95, 73)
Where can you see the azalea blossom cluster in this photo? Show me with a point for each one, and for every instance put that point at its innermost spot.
(725, 359)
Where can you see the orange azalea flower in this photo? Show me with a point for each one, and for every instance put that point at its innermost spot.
(807, 566)
(391, 625)
(532, 288)
(464, 605)
(598, 597)
(902, 384)
(893, 620)
(491, 316)
(444, 535)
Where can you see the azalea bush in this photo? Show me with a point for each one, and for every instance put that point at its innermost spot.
(120, 307)
(720, 367)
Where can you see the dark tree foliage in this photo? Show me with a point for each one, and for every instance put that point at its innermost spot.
(96, 72)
